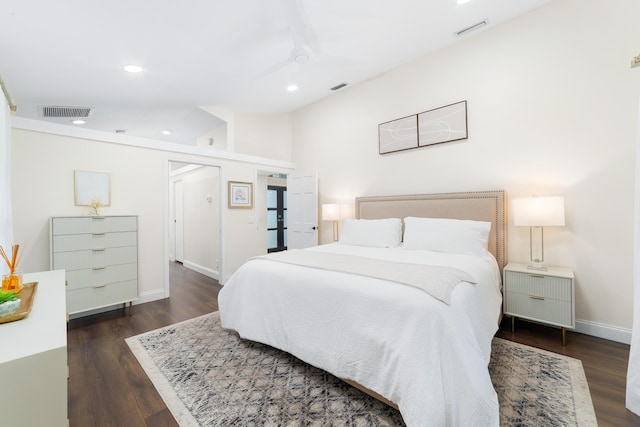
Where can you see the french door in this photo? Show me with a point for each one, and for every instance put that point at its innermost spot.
(276, 218)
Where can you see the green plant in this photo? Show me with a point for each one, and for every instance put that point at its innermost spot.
(6, 296)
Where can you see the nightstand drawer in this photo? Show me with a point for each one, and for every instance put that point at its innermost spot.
(534, 307)
(539, 285)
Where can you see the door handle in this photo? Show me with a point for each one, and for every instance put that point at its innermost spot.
(314, 228)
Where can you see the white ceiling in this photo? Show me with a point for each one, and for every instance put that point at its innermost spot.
(234, 54)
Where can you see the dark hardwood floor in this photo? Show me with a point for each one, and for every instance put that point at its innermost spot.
(107, 387)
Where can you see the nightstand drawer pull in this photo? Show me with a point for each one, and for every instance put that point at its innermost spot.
(536, 297)
(98, 249)
(99, 267)
(537, 276)
(98, 234)
(99, 286)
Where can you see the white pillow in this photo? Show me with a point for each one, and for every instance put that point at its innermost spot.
(377, 233)
(447, 235)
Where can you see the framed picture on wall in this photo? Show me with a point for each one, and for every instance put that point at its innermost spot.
(91, 188)
(444, 124)
(397, 135)
(240, 195)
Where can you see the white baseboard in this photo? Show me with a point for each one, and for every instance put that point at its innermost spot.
(600, 330)
(202, 270)
(150, 296)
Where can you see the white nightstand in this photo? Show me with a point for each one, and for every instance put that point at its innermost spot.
(545, 296)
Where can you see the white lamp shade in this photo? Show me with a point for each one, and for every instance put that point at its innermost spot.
(331, 212)
(538, 211)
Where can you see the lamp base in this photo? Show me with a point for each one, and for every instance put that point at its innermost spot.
(536, 264)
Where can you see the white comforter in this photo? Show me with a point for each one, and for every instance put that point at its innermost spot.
(428, 357)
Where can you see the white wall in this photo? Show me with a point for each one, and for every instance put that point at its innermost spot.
(256, 134)
(264, 135)
(216, 138)
(552, 108)
(46, 155)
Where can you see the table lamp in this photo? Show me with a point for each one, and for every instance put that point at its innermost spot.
(331, 212)
(538, 212)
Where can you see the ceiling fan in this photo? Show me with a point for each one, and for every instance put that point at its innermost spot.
(305, 43)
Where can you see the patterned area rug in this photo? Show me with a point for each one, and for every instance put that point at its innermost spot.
(208, 376)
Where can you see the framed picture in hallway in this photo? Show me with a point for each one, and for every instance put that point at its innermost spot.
(240, 195)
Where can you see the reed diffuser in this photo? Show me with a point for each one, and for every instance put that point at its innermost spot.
(12, 281)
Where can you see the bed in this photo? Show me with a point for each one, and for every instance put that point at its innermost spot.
(421, 347)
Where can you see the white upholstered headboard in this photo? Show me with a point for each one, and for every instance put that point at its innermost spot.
(480, 206)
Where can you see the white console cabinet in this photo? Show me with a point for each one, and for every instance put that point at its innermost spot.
(100, 257)
(33, 359)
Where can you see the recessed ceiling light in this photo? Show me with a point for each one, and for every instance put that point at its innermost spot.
(132, 68)
(78, 122)
(292, 88)
(166, 132)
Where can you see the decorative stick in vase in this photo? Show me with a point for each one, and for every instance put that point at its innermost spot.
(13, 280)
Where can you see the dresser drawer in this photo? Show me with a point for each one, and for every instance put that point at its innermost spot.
(78, 260)
(89, 224)
(101, 296)
(534, 308)
(538, 285)
(101, 275)
(75, 242)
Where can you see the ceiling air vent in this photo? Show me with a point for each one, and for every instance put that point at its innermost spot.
(121, 131)
(340, 86)
(471, 28)
(59, 111)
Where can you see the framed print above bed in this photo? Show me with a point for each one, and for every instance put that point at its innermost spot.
(436, 126)
(240, 195)
(444, 124)
(397, 135)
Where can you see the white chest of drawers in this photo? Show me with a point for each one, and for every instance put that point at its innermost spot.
(100, 257)
(545, 296)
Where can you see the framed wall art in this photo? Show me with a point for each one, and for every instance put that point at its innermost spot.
(397, 135)
(240, 195)
(91, 188)
(444, 124)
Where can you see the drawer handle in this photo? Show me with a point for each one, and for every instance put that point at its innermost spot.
(100, 267)
(537, 276)
(98, 249)
(97, 217)
(99, 286)
(539, 298)
(98, 234)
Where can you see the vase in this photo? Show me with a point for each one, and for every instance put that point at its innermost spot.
(12, 282)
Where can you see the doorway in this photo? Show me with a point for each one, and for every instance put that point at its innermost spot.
(194, 223)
